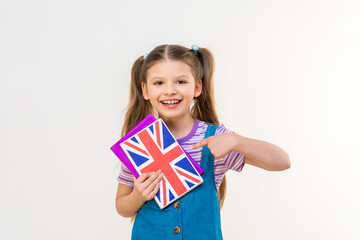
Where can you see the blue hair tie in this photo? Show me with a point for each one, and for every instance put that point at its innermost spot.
(145, 56)
(195, 48)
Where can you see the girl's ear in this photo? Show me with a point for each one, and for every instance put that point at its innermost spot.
(198, 88)
(145, 91)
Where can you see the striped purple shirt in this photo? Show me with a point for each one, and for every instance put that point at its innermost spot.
(233, 160)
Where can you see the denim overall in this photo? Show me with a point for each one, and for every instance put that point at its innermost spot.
(196, 215)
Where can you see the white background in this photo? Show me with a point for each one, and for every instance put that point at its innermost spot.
(285, 73)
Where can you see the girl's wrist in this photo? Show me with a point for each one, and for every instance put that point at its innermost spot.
(136, 198)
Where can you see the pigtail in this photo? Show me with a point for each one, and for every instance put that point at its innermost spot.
(138, 108)
(204, 105)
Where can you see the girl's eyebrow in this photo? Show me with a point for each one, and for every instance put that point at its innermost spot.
(155, 78)
(182, 76)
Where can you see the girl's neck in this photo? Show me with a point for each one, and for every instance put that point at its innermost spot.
(180, 127)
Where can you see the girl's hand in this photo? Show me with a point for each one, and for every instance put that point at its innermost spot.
(219, 145)
(147, 185)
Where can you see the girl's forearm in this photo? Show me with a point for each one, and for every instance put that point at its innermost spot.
(265, 154)
(128, 205)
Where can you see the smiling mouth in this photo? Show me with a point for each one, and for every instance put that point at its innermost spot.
(170, 102)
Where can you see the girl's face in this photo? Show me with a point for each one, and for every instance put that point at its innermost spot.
(171, 88)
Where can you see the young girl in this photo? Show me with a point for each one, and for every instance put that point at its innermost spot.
(176, 83)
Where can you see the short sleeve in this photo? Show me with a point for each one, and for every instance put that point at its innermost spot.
(233, 160)
(125, 176)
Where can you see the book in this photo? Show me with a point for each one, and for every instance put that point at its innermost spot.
(150, 146)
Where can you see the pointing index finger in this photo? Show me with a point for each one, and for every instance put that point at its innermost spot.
(200, 144)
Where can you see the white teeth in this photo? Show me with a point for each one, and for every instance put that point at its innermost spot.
(170, 102)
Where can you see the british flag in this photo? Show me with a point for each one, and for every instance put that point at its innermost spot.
(155, 148)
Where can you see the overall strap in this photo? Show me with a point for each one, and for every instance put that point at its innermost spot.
(206, 154)
(210, 131)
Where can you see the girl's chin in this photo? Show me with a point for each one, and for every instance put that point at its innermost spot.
(169, 116)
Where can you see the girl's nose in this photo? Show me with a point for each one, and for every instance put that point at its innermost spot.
(170, 89)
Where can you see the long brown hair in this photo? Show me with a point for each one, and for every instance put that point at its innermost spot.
(202, 65)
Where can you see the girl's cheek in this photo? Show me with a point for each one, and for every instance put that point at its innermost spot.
(155, 89)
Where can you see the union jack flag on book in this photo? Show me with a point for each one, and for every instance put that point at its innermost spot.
(155, 148)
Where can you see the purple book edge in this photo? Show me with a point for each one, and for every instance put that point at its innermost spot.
(141, 125)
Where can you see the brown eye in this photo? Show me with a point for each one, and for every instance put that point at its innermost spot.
(181, 81)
